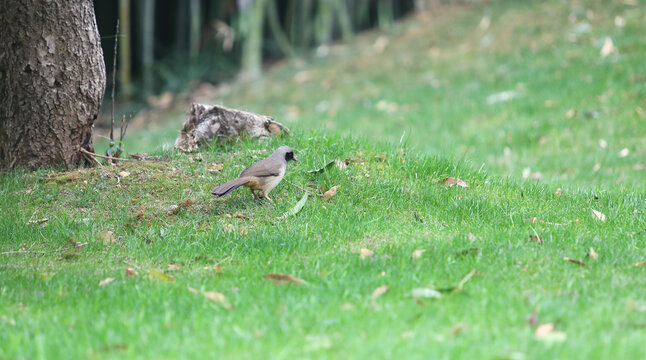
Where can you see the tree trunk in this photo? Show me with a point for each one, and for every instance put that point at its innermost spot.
(52, 80)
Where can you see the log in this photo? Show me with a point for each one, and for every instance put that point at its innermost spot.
(205, 123)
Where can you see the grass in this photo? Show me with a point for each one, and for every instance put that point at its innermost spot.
(392, 201)
(392, 204)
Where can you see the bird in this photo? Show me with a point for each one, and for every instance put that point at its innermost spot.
(263, 175)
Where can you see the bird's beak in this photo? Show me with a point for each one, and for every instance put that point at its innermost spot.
(294, 159)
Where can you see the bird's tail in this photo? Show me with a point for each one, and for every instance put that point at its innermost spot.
(227, 188)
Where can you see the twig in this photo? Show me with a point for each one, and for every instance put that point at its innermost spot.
(114, 77)
(465, 279)
(104, 156)
(300, 188)
(223, 260)
(40, 252)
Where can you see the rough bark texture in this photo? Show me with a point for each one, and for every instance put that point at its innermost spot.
(207, 122)
(52, 80)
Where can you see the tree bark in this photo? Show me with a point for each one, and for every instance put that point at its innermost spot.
(52, 80)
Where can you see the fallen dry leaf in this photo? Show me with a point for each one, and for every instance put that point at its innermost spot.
(284, 278)
(106, 281)
(544, 329)
(214, 167)
(558, 192)
(173, 267)
(570, 113)
(216, 297)
(608, 47)
(451, 182)
(547, 332)
(38, 221)
(598, 215)
(330, 193)
(131, 272)
(108, 237)
(347, 306)
(365, 253)
(593, 254)
(417, 254)
(603, 143)
(624, 152)
(640, 263)
(156, 274)
(425, 293)
(380, 290)
(574, 261)
(124, 174)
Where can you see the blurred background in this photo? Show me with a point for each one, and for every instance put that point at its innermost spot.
(550, 91)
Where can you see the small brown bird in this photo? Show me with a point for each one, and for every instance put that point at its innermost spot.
(263, 175)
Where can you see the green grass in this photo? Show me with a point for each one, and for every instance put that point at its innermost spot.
(390, 201)
(53, 307)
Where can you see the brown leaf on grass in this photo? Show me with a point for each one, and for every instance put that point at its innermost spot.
(214, 296)
(452, 181)
(598, 215)
(608, 47)
(570, 114)
(365, 253)
(574, 261)
(106, 281)
(38, 221)
(284, 278)
(558, 192)
(536, 239)
(214, 167)
(330, 193)
(417, 254)
(124, 174)
(108, 237)
(640, 263)
(158, 275)
(174, 267)
(593, 254)
(131, 272)
(380, 290)
(185, 204)
(544, 329)
(547, 332)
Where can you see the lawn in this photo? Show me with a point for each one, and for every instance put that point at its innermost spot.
(139, 261)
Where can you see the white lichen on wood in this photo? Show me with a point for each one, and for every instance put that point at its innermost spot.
(205, 123)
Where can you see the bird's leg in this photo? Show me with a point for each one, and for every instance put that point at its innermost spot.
(268, 198)
(253, 193)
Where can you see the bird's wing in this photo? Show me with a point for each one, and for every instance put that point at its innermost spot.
(263, 168)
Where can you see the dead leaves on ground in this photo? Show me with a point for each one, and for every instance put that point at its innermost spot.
(280, 279)
(108, 238)
(453, 181)
(380, 290)
(330, 193)
(548, 333)
(365, 253)
(214, 296)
